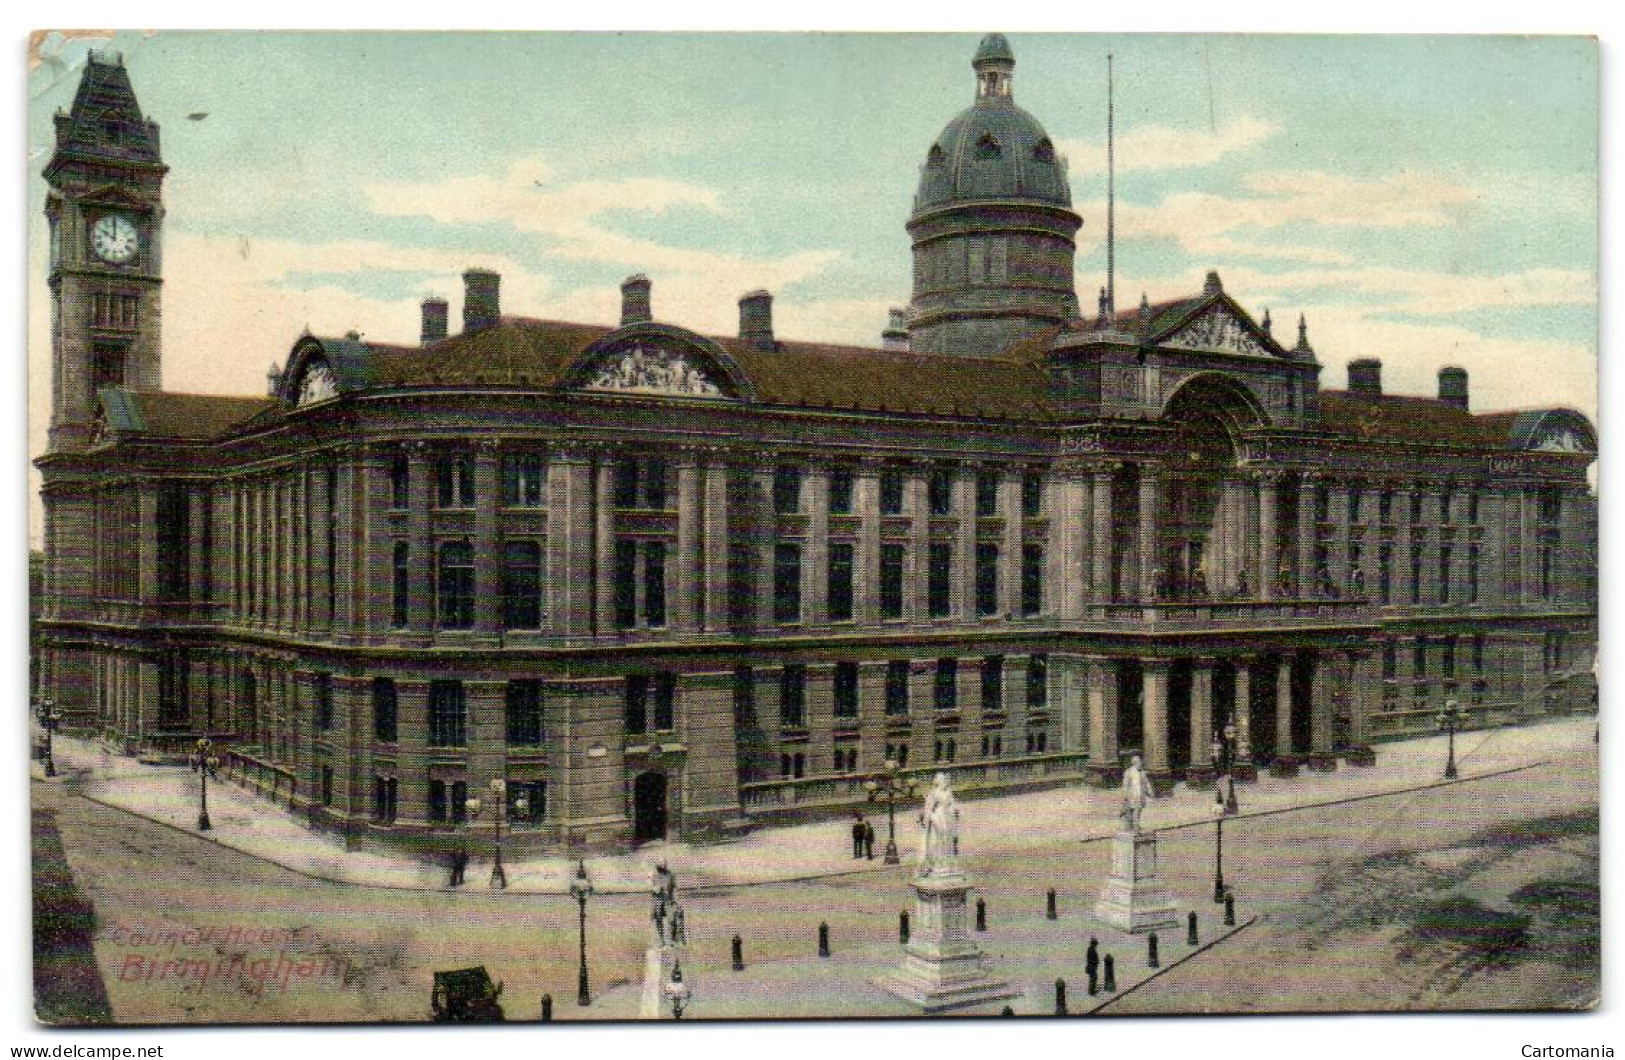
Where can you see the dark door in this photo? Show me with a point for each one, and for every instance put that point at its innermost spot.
(649, 807)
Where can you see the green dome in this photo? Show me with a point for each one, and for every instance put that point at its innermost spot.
(993, 149)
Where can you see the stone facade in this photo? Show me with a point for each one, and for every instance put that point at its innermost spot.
(725, 579)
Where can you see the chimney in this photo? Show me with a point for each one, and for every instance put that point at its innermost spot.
(482, 304)
(435, 314)
(1365, 376)
(756, 320)
(635, 305)
(1453, 387)
(273, 380)
(895, 337)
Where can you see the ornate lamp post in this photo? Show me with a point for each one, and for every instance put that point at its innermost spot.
(890, 787)
(205, 765)
(49, 719)
(1218, 851)
(581, 890)
(499, 807)
(677, 991)
(1224, 802)
(1448, 720)
(1231, 806)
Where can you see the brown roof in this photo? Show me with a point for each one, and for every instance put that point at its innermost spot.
(193, 417)
(1407, 418)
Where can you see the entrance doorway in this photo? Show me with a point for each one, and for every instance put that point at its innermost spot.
(649, 807)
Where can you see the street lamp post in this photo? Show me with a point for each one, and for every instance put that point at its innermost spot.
(49, 719)
(1218, 852)
(205, 765)
(1448, 720)
(499, 807)
(1224, 802)
(677, 991)
(889, 787)
(581, 890)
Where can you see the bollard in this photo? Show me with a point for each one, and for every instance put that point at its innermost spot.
(1229, 909)
(1007, 1011)
(547, 1008)
(981, 915)
(1110, 985)
(739, 954)
(1151, 951)
(1049, 909)
(902, 927)
(1094, 982)
(1060, 997)
(823, 940)
(1190, 929)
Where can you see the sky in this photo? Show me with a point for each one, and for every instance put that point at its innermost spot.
(1426, 200)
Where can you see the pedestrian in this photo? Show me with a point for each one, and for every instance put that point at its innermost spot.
(1091, 959)
(459, 865)
(868, 840)
(858, 826)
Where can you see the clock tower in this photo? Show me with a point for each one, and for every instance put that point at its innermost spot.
(105, 210)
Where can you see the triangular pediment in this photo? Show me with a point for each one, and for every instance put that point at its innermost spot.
(1220, 326)
(114, 196)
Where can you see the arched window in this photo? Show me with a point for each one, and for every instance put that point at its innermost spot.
(522, 585)
(935, 158)
(454, 588)
(988, 148)
(1044, 151)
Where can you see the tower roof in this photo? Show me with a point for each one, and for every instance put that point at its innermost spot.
(105, 122)
(993, 149)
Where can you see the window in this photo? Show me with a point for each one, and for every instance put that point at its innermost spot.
(940, 567)
(384, 707)
(987, 149)
(786, 490)
(987, 494)
(1390, 661)
(987, 579)
(534, 795)
(114, 310)
(654, 584)
(108, 368)
(437, 801)
(840, 582)
(891, 493)
(522, 480)
(637, 704)
(1419, 658)
(174, 536)
(1445, 505)
(840, 491)
(454, 585)
(1385, 573)
(448, 802)
(625, 484)
(1444, 574)
(1323, 504)
(1472, 573)
(327, 785)
(846, 758)
(787, 582)
(1416, 574)
(324, 702)
(626, 590)
(1032, 579)
(522, 585)
(665, 702)
(384, 799)
(1416, 507)
(1385, 507)
(524, 703)
(897, 687)
(846, 690)
(400, 482)
(454, 480)
(402, 584)
(1038, 682)
(945, 692)
(793, 696)
(654, 485)
(1478, 653)
(940, 491)
(1472, 507)
(744, 697)
(1032, 494)
(174, 685)
(1356, 495)
(891, 580)
(448, 715)
(1544, 586)
(1447, 657)
(993, 684)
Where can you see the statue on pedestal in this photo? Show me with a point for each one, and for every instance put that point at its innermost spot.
(1136, 793)
(939, 817)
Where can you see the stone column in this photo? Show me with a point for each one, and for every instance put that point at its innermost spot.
(1364, 681)
(1100, 533)
(488, 617)
(1242, 712)
(866, 501)
(197, 516)
(962, 589)
(717, 579)
(1155, 724)
(1528, 547)
(1269, 562)
(916, 596)
(1492, 551)
(412, 757)
(1404, 545)
(685, 616)
(1104, 768)
(1150, 554)
(147, 538)
(767, 536)
(1321, 759)
(1340, 537)
(1425, 541)
(572, 554)
(1306, 535)
(815, 550)
(323, 521)
(1286, 761)
(1202, 764)
(1010, 550)
(1066, 556)
(420, 485)
(603, 542)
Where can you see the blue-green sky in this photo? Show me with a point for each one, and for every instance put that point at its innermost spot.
(1427, 200)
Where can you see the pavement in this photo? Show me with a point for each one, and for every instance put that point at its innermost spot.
(991, 826)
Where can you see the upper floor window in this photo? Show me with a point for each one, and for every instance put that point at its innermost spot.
(524, 713)
(787, 582)
(992, 684)
(454, 480)
(654, 485)
(1037, 682)
(945, 692)
(840, 577)
(522, 479)
(786, 489)
(624, 485)
(987, 579)
(1032, 579)
(384, 710)
(454, 585)
(1416, 507)
(897, 687)
(522, 585)
(987, 494)
(400, 482)
(846, 690)
(401, 584)
(1356, 496)
(324, 702)
(940, 491)
(939, 567)
(1472, 507)
(1385, 506)
(448, 714)
(891, 580)
(1032, 494)
(840, 491)
(891, 493)
(793, 696)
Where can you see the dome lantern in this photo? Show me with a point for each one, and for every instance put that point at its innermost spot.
(994, 64)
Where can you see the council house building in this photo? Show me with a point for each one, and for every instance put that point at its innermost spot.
(664, 582)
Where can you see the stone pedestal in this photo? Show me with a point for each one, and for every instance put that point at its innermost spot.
(1134, 898)
(657, 965)
(943, 968)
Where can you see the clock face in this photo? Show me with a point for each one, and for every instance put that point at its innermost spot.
(114, 238)
(318, 384)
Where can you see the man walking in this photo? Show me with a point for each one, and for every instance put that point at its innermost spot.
(859, 826)
(868, 840)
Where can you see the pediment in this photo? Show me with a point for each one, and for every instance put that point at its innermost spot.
(1219, 328)
(114, 196)
(641, 367)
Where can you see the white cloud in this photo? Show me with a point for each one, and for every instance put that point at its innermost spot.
(1424, 292)
(1165, 147)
